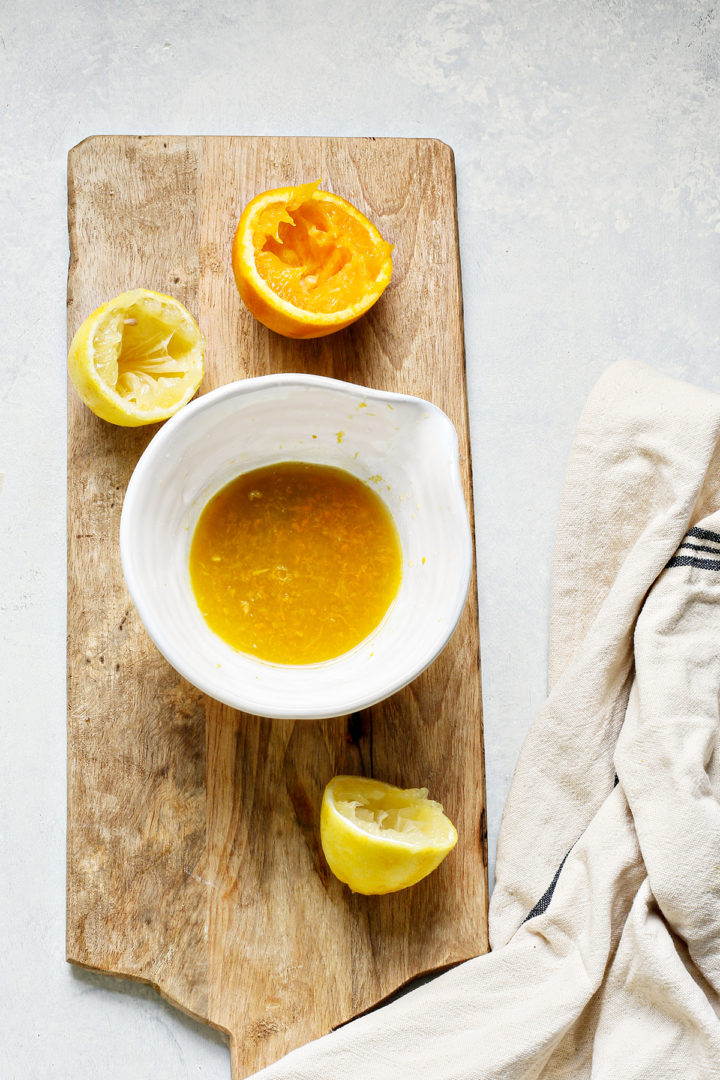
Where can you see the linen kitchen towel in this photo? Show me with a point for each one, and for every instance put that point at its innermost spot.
(605, 919)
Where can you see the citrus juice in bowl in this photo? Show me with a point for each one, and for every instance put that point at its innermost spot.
(396, 454)
(295, 563)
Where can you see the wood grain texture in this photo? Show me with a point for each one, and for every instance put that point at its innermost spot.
(194, 860)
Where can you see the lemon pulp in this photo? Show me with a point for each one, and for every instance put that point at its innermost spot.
(141, 356)
(137, 359)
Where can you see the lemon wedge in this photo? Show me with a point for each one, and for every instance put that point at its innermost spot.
(378, 838)
(137, 359)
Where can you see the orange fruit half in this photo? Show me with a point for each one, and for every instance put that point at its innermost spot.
(307, 262)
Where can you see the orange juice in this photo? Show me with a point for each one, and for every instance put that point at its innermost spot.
(295, 563)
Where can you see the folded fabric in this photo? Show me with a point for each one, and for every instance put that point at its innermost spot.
(605, 919)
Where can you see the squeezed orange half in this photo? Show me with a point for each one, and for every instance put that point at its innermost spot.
(307, 262)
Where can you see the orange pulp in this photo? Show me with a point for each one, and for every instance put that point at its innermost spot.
(307, 262)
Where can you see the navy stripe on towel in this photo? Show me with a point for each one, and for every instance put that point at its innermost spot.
(688, 560)
(696, 560)
(704, 534)
(544, 902)
(700, 547)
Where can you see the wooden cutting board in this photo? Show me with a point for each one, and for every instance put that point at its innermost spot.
(194, 859)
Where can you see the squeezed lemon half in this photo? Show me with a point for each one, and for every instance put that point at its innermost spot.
(137, 359)
(378, 838)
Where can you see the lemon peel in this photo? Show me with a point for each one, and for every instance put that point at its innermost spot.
(378, 838)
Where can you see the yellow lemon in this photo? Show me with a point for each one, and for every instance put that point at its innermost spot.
(137, 359)
(378, 838)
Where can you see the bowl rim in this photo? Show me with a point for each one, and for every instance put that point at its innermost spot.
(153, 627)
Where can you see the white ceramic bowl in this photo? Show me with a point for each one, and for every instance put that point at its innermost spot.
(408, 443)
